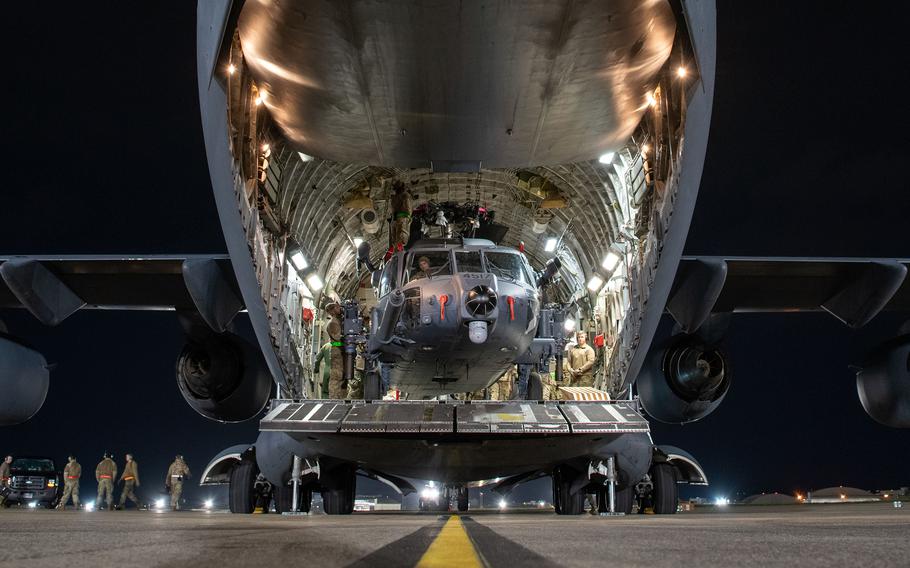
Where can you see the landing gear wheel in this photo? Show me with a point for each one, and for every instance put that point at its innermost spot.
(665, 495)
(566, 503)
(338, 499)
(622, 500)
(462, 495)
(242, 494)
(284, 495)
(535, 386)
(372, 386)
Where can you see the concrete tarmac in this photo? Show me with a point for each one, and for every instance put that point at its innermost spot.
(867, 535)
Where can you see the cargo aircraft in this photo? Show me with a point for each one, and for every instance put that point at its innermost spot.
(551, 153)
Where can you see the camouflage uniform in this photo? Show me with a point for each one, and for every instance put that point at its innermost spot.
(337, 387)
(581, 358)
(4, 478)
(71, 474)
(324, 357)
(502, 388)
(176, 474)
(401, 222)
(130, 479)
(105, 473)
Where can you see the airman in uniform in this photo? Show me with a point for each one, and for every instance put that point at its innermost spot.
(338, 388)
(130, 480)
(176, 475)
(71, 474)
(401, 215)
(323, 359)
(4, 477)
(580, 362)
(105, 473)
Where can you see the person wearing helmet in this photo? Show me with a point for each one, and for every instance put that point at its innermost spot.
(105, 473)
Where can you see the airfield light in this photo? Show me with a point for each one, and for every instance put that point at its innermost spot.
(885, 495)
(430, 493)
(550, 245)
(502, 504)
(541, 504)
(721, 501)
(681, 72)
(209, 503)
(357, 242)
(90, 506)
(298, 260)
(610, 261)
(159, 503)
(232, 69)
(843, 496)
(606, 158)
(595, 283)
(569, 324)
(32, 504)
(314, 281)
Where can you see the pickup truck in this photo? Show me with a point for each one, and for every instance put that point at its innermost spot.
(34, 480)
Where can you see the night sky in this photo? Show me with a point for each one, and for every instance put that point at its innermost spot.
(104, 154)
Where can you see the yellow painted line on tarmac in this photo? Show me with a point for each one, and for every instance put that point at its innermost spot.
(452, 547)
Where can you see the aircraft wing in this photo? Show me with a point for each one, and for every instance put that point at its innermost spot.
(851, 289)
(53, 287)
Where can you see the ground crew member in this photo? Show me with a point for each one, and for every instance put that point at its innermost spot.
(71, 474)
(338, 388)
(4, 477)
(401, 215)
(581, 362)
(502, 388)
(324, 357)
(130, 480)
(105, 473)
(176, 475)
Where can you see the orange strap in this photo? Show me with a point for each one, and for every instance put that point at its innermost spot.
(511, 302)
(130, 478)
(104, 476)
(443, 300)
(72, 477)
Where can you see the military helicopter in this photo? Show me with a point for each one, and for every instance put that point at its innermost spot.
(454, 312)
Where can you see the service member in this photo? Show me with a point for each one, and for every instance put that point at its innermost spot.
(105, 473)
(71, 474)
(581, 362)
(323, 359)
(338, 388)
(4, 477)
(130, 480)
(401, 215)
(176, 475)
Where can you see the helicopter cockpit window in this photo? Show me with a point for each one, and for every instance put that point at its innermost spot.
(469, 261)
(430, 264)
(387, 282)
(506, 265)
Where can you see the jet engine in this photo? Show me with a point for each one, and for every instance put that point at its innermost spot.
(684, 381)
(223, 377)
(24, 380)
(883, 383)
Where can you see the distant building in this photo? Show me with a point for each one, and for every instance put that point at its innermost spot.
(770, 499)
(841, 495)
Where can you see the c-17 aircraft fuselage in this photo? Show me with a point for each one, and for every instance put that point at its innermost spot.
(583, 125)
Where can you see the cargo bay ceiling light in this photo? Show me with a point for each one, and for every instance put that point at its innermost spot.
(299, 262)
(681, 72)
(357, 242)
(305, 157)
(606, 158)
(569, 325)
(610, 261)
(232, 69)
(314, 282)
(595, 283)
(550, 245)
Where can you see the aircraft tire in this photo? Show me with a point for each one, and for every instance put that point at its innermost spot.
(339, 499)
(242, 495)
(566, 503)
(622, 503)
(665, 495)
(372, 386)
(284, 495)
(535, 386)
(462, 499)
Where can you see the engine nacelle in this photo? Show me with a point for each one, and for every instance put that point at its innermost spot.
(224, 377)
(684, 381)
(883, 384)
(24, 380)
